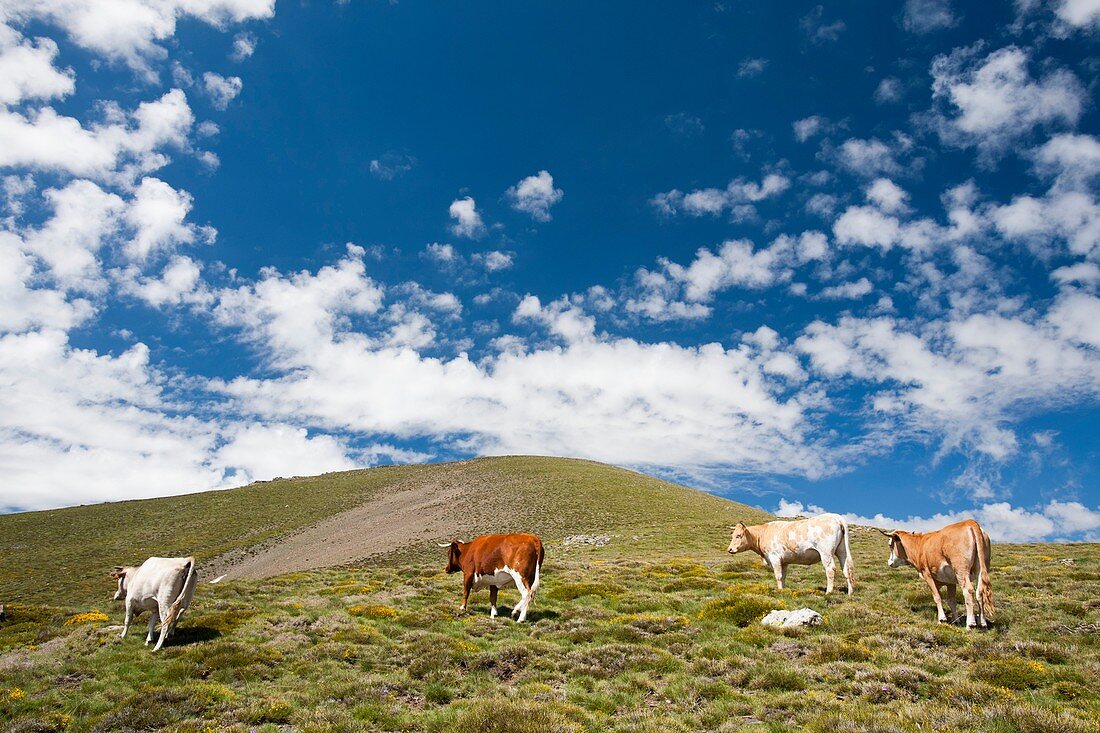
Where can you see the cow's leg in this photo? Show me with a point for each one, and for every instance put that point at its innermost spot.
(780, 570)
(975, 581)
(830, 573)
(163, 628)
(968, 598)
(846, 566)
(126, 621)
(154, 619)
(940, 615)
(493, 601)
(467, 584)
(952, 600)
(519, 613)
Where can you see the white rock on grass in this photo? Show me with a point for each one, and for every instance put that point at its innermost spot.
(790, 619)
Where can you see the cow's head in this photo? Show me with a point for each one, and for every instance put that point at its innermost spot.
(898, 558)
(454, 554)
(119, 574)
(739, 542)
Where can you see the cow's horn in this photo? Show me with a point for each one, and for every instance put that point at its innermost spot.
(884, 532)
(443, 544)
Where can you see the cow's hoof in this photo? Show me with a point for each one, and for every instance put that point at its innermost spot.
(944, 622)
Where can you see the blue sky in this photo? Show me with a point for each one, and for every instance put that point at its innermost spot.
(810, 256)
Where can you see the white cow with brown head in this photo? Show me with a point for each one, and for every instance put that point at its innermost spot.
(799, 542)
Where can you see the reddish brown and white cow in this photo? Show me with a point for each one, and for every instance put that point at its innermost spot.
(956, 555)
(497, 561)
(800, 542)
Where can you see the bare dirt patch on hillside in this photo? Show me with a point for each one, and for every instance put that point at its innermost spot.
(414, 511)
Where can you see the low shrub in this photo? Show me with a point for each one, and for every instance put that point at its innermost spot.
(373, 610)
(1013, 673)
(740, 610)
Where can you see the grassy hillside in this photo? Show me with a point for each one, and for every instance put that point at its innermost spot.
(654, 634)
(62, 557)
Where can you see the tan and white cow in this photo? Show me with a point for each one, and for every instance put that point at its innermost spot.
(799, 542)
(956, 555)
(163, 586)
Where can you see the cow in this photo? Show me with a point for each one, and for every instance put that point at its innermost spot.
(956, 555)
(163, 586)
(497, 561)
(799, 542)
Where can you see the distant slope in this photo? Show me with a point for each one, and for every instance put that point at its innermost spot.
(62, 557)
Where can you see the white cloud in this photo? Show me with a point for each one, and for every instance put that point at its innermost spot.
(120, 149)
(1078, 13)
(925, 16)
(871, 157)
(27, 70)
(737, 198)
(77, 426)
(221, 89)
(262, 452)
(157, 215)
(244, 45)
(888, 90)
(966, 379)
(751, 67)
(887, 196)
(180, 282)
(1004, 522)
(130, 30)
(440, 252)
(495, 260)
(468, 221)
(848, 290)
(591, 395)
(993, 101)
(807, 127)
(535, 195)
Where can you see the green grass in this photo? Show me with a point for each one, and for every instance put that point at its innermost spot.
(653, 634)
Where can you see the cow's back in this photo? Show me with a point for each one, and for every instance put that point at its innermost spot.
(154, 574)
(493, 552)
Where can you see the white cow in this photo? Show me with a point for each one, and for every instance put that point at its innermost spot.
(801, 542)
(163, 586)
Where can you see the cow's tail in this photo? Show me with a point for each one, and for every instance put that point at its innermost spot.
(849, 567)
(183, 598)
(985, 587)
(538, 570)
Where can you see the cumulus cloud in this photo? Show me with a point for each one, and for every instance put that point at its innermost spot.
(807, 127)
(966, 379)
(467, 220)
(991, 102)
(27, 69)
(534, 195)
(131, 31)
(244, 45)
(221, 89)
(125, 146)
(737, 198)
